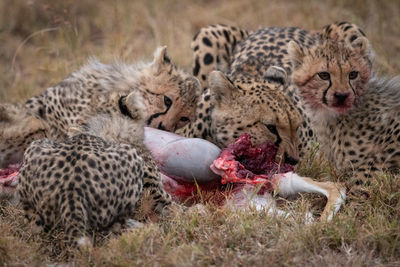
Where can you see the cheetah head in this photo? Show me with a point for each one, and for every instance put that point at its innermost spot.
(169, 93)
(115, 117)
(18, 129)
(258, 108)
(332, 75)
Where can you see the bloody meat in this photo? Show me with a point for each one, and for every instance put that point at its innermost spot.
(9, 175)
(242, 163)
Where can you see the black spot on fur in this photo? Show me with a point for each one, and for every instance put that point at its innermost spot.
(228, 39)
(196, 67)
(208, 59)
(207, 42)
(347, 28)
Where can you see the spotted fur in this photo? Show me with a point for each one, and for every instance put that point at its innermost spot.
(363, 140)
(169, 94)
(347, 130)
(17, 130)
(258, 107)
(95, 178)
(213, 48)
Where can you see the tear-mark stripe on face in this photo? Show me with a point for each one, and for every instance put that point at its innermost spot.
(351, 86)
(274, 131)
(156, 115)
(324, 100)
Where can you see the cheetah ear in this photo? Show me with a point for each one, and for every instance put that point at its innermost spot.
(276, 74)
(192, 90)
(160, 57)
(135, 106)
(222, 89)
(296, 53)
(362, 46)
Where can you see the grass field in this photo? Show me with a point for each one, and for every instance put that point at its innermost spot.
(42, 42)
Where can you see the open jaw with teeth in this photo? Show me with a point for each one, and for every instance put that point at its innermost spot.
(196, 169)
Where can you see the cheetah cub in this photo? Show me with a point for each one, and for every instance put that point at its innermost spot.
(169, 94)
(95, 178)
(332, 75)
(354, 113)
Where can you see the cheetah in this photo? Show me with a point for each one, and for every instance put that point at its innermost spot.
(229, 108)
(93, 179)
(239, 52)
(169, 94)
(327, 86)
(246, 57)
(364, 138)
(14, 118)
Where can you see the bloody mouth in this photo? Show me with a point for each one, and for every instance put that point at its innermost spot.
(341, 108)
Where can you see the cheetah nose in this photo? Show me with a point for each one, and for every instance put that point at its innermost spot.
(341, 98)
(290, 160)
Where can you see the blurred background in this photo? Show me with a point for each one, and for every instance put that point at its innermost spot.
(42, 41)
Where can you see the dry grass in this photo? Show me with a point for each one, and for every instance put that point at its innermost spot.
(361, 234)
(41, 42)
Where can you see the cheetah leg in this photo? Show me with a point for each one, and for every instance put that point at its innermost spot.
(74, 218)
(359, 182)
(33, 219)
(291, 183)
(161, 200)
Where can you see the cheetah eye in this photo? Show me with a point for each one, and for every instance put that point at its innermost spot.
(324, 75)
(184, 119)
(353, 75)
(271, 128)
(167, 101)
